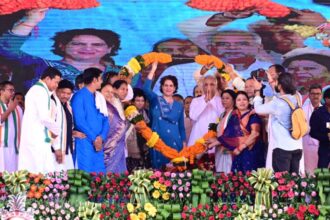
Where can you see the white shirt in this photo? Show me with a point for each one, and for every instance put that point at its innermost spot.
(280, 118)
(203, 113)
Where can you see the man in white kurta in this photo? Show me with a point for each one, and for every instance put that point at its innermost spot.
(38, 127)
(10, 126)
(311, 145)
(204, 110)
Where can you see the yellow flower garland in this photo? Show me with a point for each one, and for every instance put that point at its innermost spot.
(152, 141)
(134, 64)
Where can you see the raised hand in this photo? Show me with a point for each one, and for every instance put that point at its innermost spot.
(12, 105)
(34, 16)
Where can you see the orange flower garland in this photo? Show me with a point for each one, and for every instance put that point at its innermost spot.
(156, 57)
(263, 7)
(209, 59)
(11, 6)
(186, 154)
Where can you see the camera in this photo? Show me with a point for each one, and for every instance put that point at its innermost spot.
(259, 74)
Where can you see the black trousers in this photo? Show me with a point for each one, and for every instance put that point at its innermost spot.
(284, 160)
(324, 157)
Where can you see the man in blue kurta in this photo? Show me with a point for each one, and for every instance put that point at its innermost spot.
(89, 120)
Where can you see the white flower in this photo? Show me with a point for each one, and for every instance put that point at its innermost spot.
(270, 211)
(275, 206)
(279, 211)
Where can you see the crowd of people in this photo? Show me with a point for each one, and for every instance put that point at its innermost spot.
(59, 125)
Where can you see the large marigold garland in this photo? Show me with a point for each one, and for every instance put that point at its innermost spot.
(187, 154)
(263, 7)
(11, 6)
(210, 59)
(136, 64)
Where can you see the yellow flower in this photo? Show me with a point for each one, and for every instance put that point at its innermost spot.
(130, 207)
(156, 194)
(130, 110)
(142, 216)
(148, 206)
(135, 65)
(157, 185)
(163, 188)
(133, 216)
(166, 196)
(201, 141)
(152, 212)
(153, 140)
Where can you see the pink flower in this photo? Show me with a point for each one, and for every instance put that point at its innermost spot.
(303, 184)
(188, 174)
(179, 181)
(313, 194)
(302, 194)
(181, 175)
(187, 184)
(167, 174)
(278, 175)
(158, 174)
(173, 175)
(174, 187)
(180, 195)
(180, 188)
(168, 183)
(290, 194)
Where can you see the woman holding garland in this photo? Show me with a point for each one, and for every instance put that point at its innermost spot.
(242, 136)
(167, 115)
(223, 160)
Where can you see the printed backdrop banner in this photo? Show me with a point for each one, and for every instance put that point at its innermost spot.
(251, 38)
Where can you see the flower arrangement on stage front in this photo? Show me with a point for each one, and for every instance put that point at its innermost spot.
(211, 212)
(58, 187)
(293, 188)
(11, 6)
(54, 210)
(233, 188)
(16, 182)
(37, 185)
(136, 64)
(141, 212)
(195, 194)
(112, 188)
(263, 7)
(3, 193)
(114, 211)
